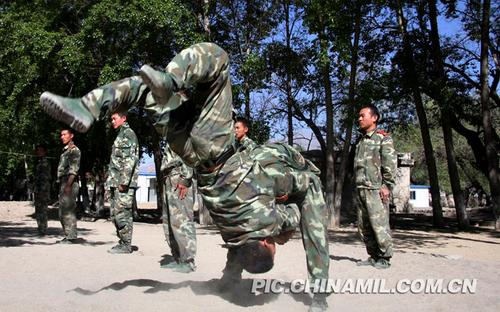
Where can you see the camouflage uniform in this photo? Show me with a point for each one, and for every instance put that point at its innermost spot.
(123, 171)
(374, 166)
(178, 225)
(69, 164)
(245, 144)
(195, 115)
(42, 192)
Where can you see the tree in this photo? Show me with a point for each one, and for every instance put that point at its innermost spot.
(412, 81)
(491, 150)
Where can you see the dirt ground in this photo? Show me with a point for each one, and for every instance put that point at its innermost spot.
(39, 275)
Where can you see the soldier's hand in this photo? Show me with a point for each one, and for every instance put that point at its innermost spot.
(384, 194)
(122, 188)
(67, 190)
(284, 237)
(182, 190)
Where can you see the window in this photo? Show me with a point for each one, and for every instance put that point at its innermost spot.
(413, 195)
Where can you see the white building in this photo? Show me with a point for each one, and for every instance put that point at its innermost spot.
(419, 196)
(146, 183)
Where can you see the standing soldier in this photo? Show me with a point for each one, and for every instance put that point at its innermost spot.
(67, 176)
(42, 187)
(241, 128)
(178, 224)
(122, 181)
(375, 170)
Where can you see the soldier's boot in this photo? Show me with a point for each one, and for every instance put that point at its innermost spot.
(160, 83)
(382, 263)
(185, 267)
(66, 241)
(71, 111)
(121, 249)
(319, 303)
(370, 261)
(170, 265)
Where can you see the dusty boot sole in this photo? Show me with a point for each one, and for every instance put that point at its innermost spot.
(54, 107)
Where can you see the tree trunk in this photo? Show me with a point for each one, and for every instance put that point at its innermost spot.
(410, 73)
(330, 154)
(350, 116)
(491, 151)
(439, 85)
(288, 86)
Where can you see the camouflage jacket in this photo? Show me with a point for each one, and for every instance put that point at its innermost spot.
(246, 143)
(123, 165)
(69, 162)
(42, 176)
(172, 166)
(375, 161)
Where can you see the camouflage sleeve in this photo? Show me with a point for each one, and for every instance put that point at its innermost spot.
(186, 177)
(130, 156)
(388, 159)
(74, 161)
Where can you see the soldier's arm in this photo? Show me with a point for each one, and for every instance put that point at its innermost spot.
(74, 166)
(388, 159)
(129, 148)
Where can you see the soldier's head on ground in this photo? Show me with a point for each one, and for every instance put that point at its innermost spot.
(241, 127)
(368, 117)
(41, 150)
(257, 256)
(118, 119)
(67, 135)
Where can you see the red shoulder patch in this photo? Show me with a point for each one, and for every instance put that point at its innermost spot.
(382, 132)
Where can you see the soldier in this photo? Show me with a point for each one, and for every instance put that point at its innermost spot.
(42, 187)
(375, 169)
(178, 225)
(241, 127)
(122, 181)
(67, 176)
(191, 105)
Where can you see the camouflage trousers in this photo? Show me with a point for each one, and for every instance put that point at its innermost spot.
(197, 119)
(41, 203)
(121, 214)
(373, 224)
(178, 224)
(67, 209)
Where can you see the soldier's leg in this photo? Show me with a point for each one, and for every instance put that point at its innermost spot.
(203, 67)
(67, 211)
(379, 220)
(182, 226)
(313, 224)
(41, 201)
(365, 229)
(80, 113)
(123, 220)
(169, 236)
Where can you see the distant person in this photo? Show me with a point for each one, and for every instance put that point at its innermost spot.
(67, 176)
(241, 128)
(41, 187)
(375, 170)
(122, 181)
(178, 215)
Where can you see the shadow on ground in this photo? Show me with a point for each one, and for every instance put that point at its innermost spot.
(17, 234)
(239, 293)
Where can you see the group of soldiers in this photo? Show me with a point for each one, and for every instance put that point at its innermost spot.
(257, 195)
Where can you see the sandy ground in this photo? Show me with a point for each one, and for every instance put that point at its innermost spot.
(39, 275)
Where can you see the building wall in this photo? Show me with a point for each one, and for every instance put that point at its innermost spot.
(419, 197)
(146, 191)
